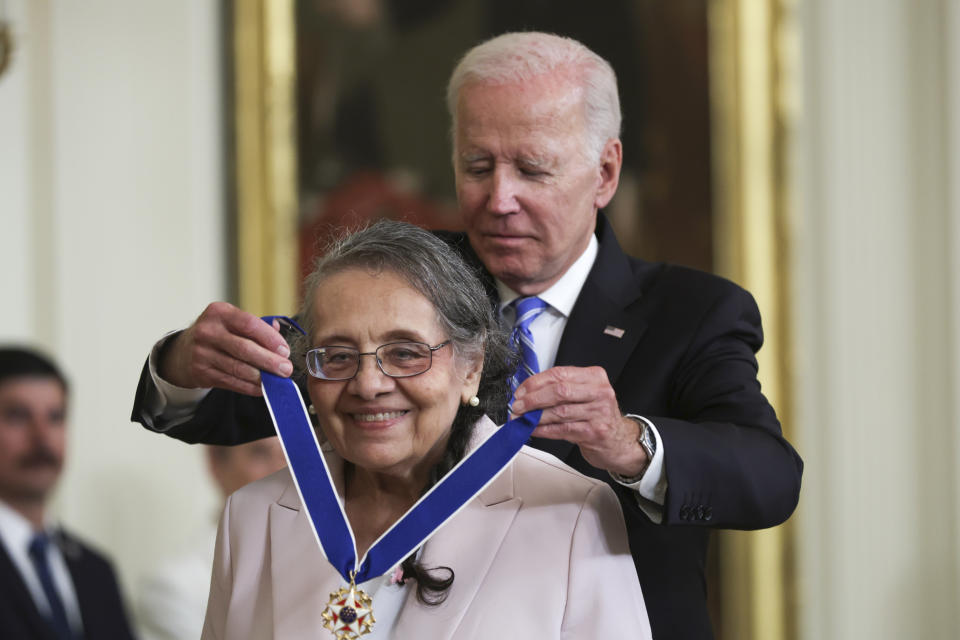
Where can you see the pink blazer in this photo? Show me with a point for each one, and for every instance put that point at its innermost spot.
(540, 553)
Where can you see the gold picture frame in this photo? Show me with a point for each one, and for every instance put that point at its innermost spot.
(264, 157)
(754, 83)
(753, 86)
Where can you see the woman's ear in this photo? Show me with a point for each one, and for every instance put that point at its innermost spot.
(471, 380)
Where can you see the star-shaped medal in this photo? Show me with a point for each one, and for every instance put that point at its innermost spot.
(348, 614)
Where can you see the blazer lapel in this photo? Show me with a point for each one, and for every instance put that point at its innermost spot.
(300, 576)
(605, 325)
(302, 580)
(468, 543)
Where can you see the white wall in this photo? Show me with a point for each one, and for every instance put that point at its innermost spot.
(877, 310)
(111, 233)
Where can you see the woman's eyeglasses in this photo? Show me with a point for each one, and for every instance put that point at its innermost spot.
(396, 359)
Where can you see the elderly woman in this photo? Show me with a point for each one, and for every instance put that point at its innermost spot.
(404, 357)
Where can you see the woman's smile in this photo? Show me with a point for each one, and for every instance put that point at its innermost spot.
(381, 423)
(377, 417)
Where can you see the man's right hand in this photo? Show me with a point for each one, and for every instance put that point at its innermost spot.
(225, 347)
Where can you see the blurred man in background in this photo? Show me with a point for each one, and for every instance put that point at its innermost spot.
(173, 599)
(52, 586)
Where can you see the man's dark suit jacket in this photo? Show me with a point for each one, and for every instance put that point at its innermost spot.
(686, 362)
(101, 607)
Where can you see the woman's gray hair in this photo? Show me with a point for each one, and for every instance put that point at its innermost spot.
(437, 272)
(434, 269)
(520, 57)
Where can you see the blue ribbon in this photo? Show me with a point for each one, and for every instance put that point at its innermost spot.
(325, 511)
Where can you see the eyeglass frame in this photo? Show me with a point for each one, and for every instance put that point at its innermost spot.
(374, 353)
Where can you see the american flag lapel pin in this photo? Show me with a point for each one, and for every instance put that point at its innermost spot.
(616, 332)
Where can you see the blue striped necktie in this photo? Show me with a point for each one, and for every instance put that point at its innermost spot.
(527, 310)
(58, 615)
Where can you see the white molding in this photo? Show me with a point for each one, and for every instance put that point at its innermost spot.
(952, 90)
(115, 123)
(877, 297)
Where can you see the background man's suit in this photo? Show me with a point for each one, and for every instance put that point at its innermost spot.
(101, 607)
(686, 362)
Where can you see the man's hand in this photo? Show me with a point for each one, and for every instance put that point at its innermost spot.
(580, 406)
(226, 348)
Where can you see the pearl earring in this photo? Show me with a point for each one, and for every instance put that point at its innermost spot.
(474, 401)
(311, 410)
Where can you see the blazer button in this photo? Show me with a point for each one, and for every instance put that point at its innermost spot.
(700, 513)
(684, 512)
(708, 513)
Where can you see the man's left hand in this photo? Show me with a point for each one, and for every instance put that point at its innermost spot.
(580, 406)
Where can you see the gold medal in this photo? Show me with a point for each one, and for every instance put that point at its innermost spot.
(348, 614)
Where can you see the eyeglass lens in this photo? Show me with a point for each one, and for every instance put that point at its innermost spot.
(398, 360)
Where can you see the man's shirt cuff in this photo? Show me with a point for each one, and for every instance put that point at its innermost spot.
(166, 405)
(651, 489)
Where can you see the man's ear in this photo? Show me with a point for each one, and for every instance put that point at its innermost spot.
(611, 160)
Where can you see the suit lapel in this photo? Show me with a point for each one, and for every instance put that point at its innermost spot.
(300, 576)
(605, 325)
(88, 590)
(468, 543)
(21, 601)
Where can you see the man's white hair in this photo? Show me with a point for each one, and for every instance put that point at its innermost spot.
(524, 56)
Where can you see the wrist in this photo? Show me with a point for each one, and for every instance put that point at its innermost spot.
(168, 362)
(646, 446)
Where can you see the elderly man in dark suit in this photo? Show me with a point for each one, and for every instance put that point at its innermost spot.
(52, 586)
(646, 373)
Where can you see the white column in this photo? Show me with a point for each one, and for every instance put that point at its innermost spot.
(876, 321)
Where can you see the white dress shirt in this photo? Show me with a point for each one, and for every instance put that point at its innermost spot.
(387, 599)
(547, 330)
(16, 532)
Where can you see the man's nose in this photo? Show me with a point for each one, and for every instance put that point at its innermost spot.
(42, 429)
(503, 192)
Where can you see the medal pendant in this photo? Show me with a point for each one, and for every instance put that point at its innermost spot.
(348, 614)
